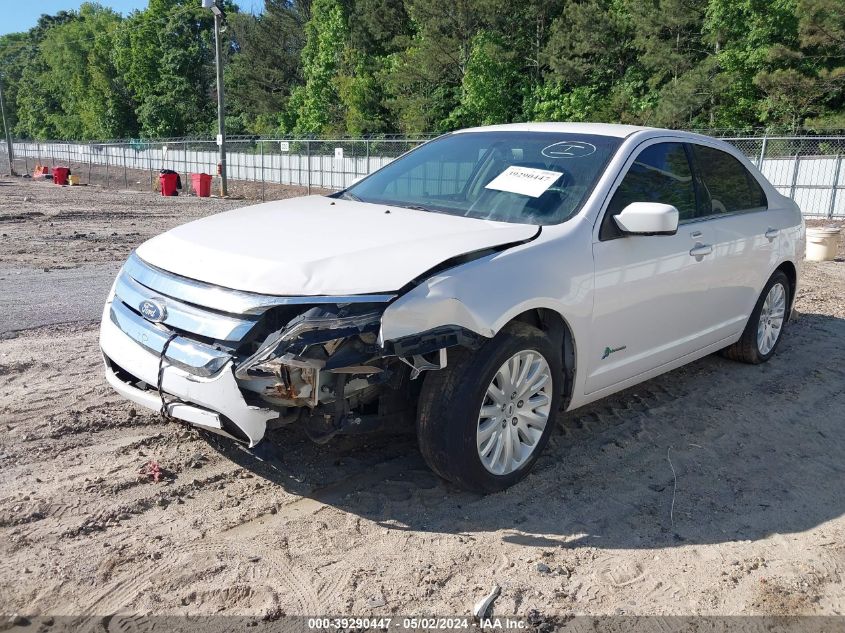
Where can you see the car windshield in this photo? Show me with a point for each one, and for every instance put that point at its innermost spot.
(520, 177)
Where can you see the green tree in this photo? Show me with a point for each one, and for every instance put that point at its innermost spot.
(741, 36)
(591, 65)
(361, 94)
(319, 109)
(807, 81)
(379, 27)
(377, 30)
(165, 56)
(24, 67)
(414, 66)
(70, 89)
(425, 78)
(15, 51)
(667, 38)
(553, 101)
(265, 68)
(492, 86)
(590, 44)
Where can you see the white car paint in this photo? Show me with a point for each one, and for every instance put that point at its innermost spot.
(646, 293)
(321, 246)
(648, 217)
(650, 298)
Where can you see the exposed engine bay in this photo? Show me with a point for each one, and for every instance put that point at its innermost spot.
(323, 367)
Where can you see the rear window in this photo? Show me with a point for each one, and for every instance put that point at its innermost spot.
(727, 186)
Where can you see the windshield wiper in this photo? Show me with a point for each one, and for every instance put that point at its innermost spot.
(414, 207)
(346, 195)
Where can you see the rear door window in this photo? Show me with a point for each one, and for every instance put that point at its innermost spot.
(726, 186)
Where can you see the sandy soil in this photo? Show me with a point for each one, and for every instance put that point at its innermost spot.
(44, 225)
(714, 489)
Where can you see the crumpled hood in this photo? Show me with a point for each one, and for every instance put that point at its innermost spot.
(321, 246)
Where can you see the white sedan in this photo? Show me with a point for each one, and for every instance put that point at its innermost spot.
(477, 286)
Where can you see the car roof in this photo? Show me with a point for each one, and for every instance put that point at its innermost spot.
(602, 129)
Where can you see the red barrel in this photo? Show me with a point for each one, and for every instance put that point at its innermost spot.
(201, 184)
(60, 175)
(168, 184)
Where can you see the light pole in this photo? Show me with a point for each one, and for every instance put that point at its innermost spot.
(221, 112)
(8, 133)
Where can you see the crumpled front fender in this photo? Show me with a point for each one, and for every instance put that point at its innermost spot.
(483, 295)
(426, 308)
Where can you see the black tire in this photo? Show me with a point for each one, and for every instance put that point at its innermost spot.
(746, 350)
(451, 398)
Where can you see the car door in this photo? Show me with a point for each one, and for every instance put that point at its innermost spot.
(651, 303)
(745, 233)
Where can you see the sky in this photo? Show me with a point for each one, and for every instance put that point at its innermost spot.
(21, 15)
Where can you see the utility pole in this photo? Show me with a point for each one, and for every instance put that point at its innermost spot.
(221, 112)
(8, 133)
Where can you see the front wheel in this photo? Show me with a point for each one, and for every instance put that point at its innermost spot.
(764, 329)
(484, 419)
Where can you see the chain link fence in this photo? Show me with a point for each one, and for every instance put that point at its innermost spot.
(264, 169)
(808, 169)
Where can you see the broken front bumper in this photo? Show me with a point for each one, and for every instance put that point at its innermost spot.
(201, 335)
(213, 402)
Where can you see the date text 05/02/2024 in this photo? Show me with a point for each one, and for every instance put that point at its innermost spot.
(417, 623)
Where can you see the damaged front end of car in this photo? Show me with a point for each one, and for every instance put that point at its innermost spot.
(325, 369)
(239, 363)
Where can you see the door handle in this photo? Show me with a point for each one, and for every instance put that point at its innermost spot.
(700, 250)
(771, 234)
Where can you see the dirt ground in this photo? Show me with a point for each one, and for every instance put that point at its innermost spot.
(713, 489)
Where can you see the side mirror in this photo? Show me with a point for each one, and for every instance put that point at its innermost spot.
(648, 218)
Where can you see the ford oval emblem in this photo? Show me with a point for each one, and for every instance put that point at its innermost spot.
(153, 310)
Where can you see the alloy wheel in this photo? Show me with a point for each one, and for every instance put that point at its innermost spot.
(771, 319)
(514, 412)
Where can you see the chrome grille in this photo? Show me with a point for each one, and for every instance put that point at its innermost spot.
(223, 320)
(218, 317)
(223, 299)
(183, 316)
(192, 356)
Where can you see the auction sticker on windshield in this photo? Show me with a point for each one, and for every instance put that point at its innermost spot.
(526, 181)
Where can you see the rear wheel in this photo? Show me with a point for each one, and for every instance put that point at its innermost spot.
(484, 419)
(764, 329)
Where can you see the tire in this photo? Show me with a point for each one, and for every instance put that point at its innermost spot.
(451, 400)
(747, 349)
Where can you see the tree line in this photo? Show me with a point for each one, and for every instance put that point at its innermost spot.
(355, 67)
